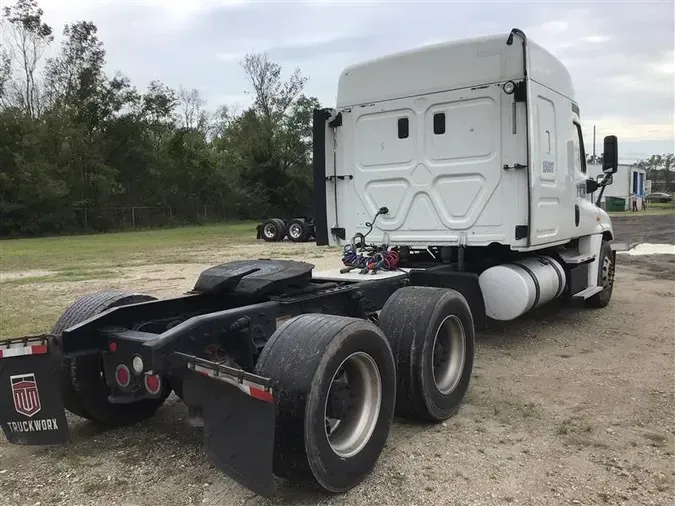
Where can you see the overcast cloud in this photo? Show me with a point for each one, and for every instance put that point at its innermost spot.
(621, 54)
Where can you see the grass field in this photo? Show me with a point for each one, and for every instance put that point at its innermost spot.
(82, 255)
(655, 209)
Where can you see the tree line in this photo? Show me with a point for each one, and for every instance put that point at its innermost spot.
(74, 139)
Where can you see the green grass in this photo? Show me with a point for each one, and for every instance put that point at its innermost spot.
(73, 253)
(63, 275)
(655, 209)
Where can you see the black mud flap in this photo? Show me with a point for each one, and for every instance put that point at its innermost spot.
(238, 413)
(31, 408)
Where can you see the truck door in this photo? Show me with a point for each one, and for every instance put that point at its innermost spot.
(553, 194)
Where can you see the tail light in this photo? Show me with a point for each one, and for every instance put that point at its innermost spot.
(153, 383)
(122, 375)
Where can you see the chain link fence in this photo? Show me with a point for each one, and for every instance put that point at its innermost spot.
(140, 217)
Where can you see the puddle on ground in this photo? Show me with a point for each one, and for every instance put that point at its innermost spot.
(648, 249)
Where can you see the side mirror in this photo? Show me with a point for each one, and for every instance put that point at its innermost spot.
(591, 185)
(610, 155)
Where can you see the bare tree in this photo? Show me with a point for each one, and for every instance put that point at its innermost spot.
(28, 38)
(5, 72)
(273, 96)
(192, 112)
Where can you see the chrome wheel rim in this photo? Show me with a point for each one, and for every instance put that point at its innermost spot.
(448, 354)
(270, 230)
(295, 230)
(358, 385)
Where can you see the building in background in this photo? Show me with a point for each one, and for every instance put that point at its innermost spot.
(629, 181)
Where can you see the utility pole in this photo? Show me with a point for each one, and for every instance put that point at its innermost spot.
(594, 158)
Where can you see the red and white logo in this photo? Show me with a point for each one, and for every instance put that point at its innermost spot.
(26, 395)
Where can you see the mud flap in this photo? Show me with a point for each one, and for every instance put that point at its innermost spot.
(238, 422)
(31, 408)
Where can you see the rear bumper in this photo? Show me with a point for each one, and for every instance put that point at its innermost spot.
(237, 407)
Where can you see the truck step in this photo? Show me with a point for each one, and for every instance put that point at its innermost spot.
(571, 258)
(587, 293)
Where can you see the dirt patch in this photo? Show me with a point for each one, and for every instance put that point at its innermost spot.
(659, 266)
(11, 276)
(654, 229)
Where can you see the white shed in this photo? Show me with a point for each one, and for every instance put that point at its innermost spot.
(628, 180)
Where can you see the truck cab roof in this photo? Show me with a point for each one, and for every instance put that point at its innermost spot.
(453, 65)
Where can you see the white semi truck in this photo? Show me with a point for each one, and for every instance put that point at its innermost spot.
(475, 150)
(454, 177)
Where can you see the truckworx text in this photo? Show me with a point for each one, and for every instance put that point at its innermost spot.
(454, 179)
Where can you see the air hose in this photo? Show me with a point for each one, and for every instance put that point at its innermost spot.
(375, 258)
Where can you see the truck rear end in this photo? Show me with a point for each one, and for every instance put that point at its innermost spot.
(286, 375)
(105, 369)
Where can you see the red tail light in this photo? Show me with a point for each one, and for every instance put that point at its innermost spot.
(122, 375)
(153, 383)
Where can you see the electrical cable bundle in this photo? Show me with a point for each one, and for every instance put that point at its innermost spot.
(375, 259)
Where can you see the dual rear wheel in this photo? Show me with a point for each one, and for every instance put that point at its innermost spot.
(339, 381)
(297, 230)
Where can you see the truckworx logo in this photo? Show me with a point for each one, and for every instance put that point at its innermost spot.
(26, 395)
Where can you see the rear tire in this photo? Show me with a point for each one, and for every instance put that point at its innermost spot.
(83, 388)
(606, 269)
(282, 227)
(431, 331)
(298, 230)
(272, 231)
(330, 428)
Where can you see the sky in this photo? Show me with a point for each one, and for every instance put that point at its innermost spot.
(621, 54)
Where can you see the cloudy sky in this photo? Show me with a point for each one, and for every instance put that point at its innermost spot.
(620, 53)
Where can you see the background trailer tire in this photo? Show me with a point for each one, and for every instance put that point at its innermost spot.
(83, 388)
(432, 336)
(273, 230)
(298, 230)
(283, 226)
(334, 388)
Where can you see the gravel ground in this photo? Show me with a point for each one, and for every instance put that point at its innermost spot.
(566, 406)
